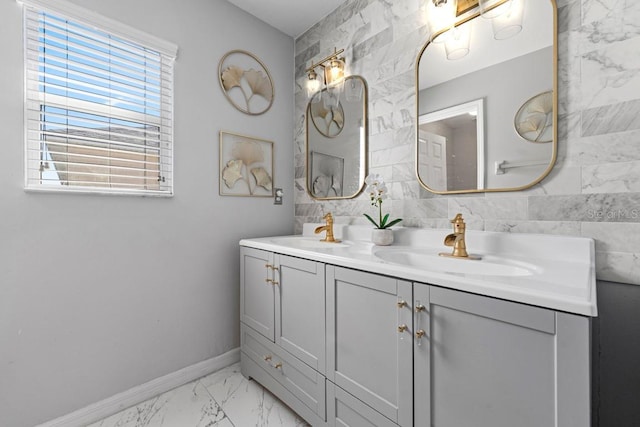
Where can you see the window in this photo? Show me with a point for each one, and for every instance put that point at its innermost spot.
(99, 104)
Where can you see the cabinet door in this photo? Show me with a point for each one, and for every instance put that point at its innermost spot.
(488, 362)
(369, 350)
(346, 411)
(257, 291)
(300, 308)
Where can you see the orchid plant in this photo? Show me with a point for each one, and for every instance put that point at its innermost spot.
(377, 191)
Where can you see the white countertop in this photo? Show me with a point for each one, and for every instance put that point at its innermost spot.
(560, 270)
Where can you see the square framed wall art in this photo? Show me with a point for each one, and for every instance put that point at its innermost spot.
(246, 166)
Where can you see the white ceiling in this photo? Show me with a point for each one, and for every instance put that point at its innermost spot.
(292, 17)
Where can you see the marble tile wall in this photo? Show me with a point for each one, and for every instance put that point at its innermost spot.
(594, 189)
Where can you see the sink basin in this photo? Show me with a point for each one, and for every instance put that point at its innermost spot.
(487, 266)
(306, 243)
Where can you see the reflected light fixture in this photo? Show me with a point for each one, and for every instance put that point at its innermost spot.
(456, 45)
(444, 26)
(489, 9)
(508, 21)
(332, 76)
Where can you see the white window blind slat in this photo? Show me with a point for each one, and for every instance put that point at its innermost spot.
(99, 108)
(99, 39)
(67, 48)
(80, 14)
(87, 71)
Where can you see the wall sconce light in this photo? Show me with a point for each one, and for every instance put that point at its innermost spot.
(332, 77)
(441, 15)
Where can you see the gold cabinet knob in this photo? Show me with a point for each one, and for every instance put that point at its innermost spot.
(278, 366)
(273, 282)
(267, 358)
(420, 333)
(268, 265)
(420, 308)
(402, 328)
(402, 303)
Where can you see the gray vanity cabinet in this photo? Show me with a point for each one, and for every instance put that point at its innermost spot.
(369, 346)
(351, 348)
(300, 309)
(282, 308)
(282, 298)
(489, 362)
(257, 292)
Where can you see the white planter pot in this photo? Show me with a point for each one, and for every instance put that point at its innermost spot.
(382, 237)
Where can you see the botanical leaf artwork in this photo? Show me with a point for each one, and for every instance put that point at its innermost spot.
(231, 77)
(262, 177)
(534, 120)
(248, 88)
(259, 84)
(329, 121)
(232, 172)
(246, 163)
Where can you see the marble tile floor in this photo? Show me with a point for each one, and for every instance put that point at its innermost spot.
(224, 398)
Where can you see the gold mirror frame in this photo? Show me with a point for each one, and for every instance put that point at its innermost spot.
(466, 15)
(362, 151)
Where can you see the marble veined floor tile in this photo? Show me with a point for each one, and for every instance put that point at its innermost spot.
(188, 406)
(222, 399)
(247, 403)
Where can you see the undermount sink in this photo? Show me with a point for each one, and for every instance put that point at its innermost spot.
(430, 260)
(307, 243)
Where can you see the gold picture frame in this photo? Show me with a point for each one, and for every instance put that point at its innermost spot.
(246, 166)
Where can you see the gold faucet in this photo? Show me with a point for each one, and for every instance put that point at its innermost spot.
(328, 228)
(456, 239)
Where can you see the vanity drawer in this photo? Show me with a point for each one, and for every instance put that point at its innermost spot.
(303, 381)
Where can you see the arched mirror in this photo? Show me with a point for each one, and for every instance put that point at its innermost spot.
(336, 131)
(487, 108)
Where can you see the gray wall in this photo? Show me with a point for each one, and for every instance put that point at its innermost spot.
(503, 90)
(100, 294)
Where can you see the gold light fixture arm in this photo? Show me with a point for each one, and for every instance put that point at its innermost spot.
(320, 63)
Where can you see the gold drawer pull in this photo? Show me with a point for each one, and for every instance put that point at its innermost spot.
(267, 358)
(420, 308)
(402, 328)
(420, 333)
(278, 366)
(402, 303)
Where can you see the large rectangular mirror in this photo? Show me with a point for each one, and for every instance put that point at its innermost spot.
(510, 142)
(336, 130)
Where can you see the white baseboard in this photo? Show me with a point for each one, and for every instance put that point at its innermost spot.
(126, 399)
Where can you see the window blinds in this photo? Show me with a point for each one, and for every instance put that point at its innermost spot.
(99, 109)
